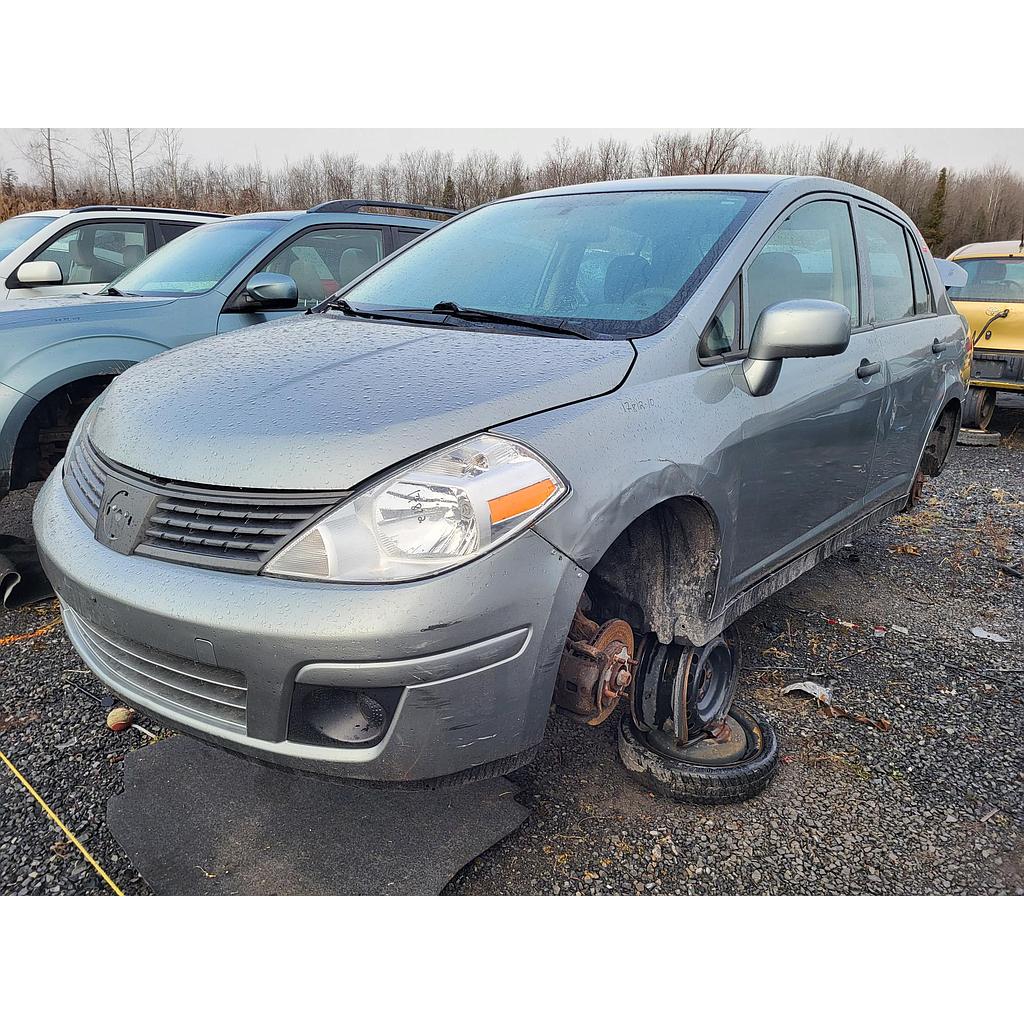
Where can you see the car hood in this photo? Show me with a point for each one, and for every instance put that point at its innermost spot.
(85, 309)
(324, 402)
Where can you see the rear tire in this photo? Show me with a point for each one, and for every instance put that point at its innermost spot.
(683, 777)
(979, 408)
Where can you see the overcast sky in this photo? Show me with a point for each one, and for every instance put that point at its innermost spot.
(454, 75)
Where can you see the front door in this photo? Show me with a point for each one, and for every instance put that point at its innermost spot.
(807, 448)
(320, 261)
(90, 256)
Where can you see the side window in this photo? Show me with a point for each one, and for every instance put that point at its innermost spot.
(403, 236)
(810, 255)
(722, 334)
(97, 252)
(922, 294)
(889, 266)
(171, 231)
(326, 259)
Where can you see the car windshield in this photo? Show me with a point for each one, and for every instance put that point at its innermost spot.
(19, 229)
(610, 264)
(196, 261)
(992, 279)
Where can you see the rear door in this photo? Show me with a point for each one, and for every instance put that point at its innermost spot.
(912, 340)
(807, 447)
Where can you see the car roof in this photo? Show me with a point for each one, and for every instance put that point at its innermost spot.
(338, 218)
(1013, 248)
(787, 187)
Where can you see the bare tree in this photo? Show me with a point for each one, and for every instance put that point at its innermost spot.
(47, 150)
(137, 143)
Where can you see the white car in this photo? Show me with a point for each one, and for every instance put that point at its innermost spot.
(68, 252)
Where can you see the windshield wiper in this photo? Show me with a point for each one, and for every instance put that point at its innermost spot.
(490, 316)
(449, 309)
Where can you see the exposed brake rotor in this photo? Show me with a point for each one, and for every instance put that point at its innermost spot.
(596, 668)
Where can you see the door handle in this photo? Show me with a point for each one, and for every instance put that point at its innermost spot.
(867, 369)
(939, 346)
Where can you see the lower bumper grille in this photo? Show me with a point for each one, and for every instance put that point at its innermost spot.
(162, 680)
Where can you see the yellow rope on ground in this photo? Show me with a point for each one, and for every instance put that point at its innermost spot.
(60, 824)
(5, 640)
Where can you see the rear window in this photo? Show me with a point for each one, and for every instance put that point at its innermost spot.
(992, 279)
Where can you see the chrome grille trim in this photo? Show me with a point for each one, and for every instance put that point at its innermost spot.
(163, 681)
(84, 479)
(237, 531)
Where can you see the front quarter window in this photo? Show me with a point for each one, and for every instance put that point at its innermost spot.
(610, 264)
(20, 229)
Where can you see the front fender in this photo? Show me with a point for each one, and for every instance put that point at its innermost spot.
(42, 371)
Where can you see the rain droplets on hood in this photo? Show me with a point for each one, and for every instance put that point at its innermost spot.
(322, 402)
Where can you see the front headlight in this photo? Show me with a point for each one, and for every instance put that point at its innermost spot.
(436, 513)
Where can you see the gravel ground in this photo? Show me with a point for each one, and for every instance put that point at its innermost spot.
(933, 805)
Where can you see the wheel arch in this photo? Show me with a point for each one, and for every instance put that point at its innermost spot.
(661, 572)
(71, 387)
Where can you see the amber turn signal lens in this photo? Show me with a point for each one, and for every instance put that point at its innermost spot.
(515, 503)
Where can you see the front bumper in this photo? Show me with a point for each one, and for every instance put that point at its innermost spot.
(474, 651)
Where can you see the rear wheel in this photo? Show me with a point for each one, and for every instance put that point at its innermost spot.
(979, 408)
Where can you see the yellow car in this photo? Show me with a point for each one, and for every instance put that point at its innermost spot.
(992, 301)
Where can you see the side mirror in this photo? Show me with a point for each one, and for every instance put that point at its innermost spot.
(796, 329)
(951, 274)
(40, 272)
(271, 291)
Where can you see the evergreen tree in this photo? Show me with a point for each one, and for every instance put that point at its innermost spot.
(448, 196)
(934, 233)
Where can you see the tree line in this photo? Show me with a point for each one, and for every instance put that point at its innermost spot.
(151, 167)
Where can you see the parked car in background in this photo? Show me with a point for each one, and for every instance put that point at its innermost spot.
(58, 354)
(992, 300)
(71, 252)
(550, 451)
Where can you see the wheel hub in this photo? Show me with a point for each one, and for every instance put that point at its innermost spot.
(685, 692)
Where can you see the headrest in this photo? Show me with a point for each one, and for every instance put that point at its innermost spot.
(625, 276)
(990, 270)
(352, 263)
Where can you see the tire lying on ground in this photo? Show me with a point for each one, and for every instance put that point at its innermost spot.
(706, 771)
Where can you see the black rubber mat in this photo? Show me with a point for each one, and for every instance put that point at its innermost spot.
(197, 821)
(21, 576)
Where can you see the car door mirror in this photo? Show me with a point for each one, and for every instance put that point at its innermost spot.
(796, 329)
(951, 274)
(271, 291)
(40, 272)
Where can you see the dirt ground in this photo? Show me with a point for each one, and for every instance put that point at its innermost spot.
(932, 804)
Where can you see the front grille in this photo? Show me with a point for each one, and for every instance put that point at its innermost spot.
(225, 531)
(238, 531)
(84, 479)
(162, 681)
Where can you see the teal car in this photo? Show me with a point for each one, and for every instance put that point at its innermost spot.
(57, 354)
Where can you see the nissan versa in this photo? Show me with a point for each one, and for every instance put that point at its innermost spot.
(546, 453)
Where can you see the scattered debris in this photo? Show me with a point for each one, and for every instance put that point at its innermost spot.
(978, 438)
(119, 719)
(904, 549)
(15, 638)
(815, 690)
(1010, 570)
(985, 634)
